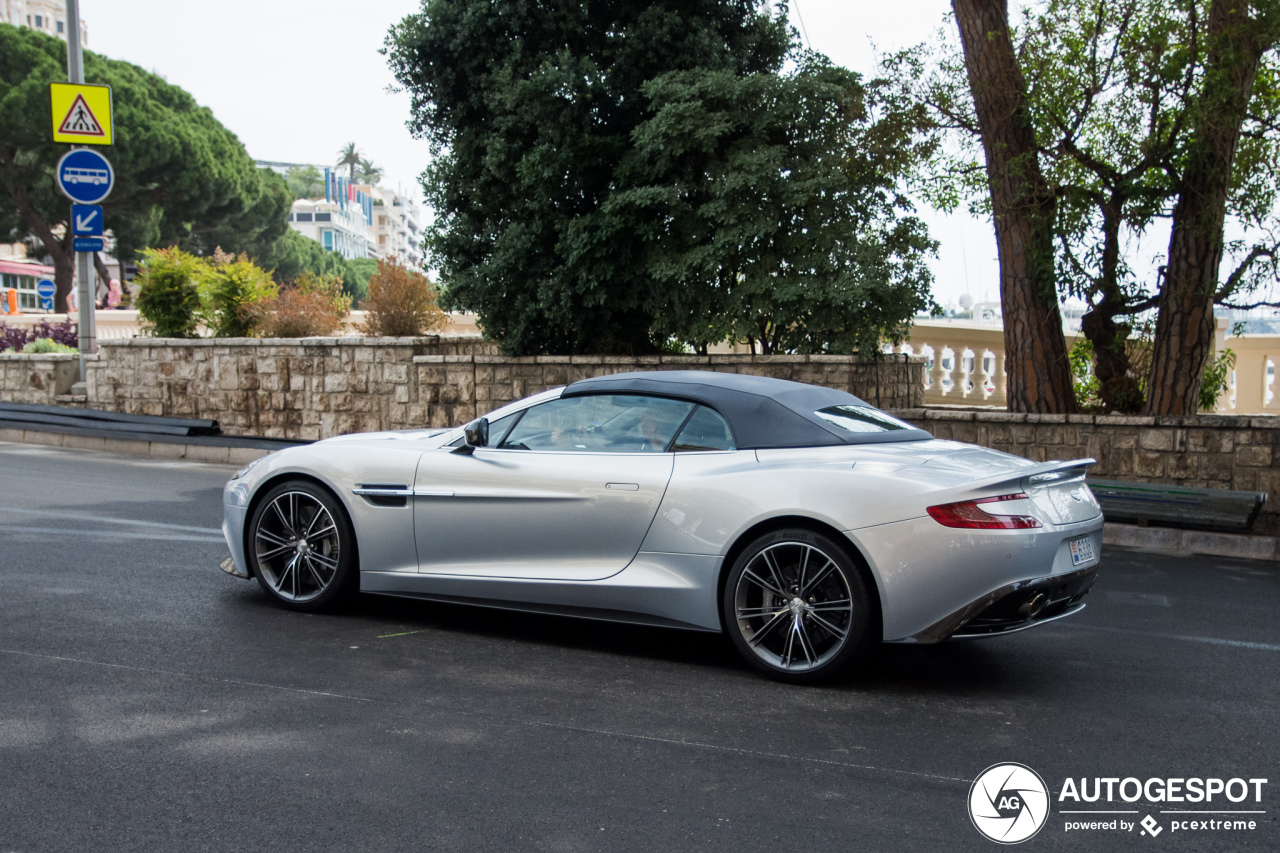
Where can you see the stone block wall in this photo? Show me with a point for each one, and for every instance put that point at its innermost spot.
(317, 387)
(1201, 451)
(33, 378)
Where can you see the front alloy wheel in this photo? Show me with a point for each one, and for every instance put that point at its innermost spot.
(301, 547)
(797, 608)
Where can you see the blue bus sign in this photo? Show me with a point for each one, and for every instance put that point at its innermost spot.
(84, 176)
(45, 289)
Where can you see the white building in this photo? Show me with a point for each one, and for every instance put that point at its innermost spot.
(47, 16)
(396, 225)
(357, 220)
(344, 229)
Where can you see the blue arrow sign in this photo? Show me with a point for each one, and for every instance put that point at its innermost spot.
(45, 289)
(86, 220)
(84, 176)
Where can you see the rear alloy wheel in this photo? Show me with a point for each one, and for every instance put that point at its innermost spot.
(301, 547)
(797, 608)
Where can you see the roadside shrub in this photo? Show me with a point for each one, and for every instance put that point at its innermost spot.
(1217, 379)
(230, 289)
(310, 306)
(401, 303)
(45, 345)
(14, 338)
(168, 292)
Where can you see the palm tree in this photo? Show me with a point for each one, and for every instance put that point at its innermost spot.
(369, 173)
(349, 156)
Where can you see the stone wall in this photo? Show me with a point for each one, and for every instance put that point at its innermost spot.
(37, 378)
(317, 387)
(1202, 451)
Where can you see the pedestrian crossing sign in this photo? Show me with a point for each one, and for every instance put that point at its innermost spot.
(81, 113)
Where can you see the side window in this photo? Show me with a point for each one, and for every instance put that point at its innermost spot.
(706, 430)
(498, 429)
(605, 423)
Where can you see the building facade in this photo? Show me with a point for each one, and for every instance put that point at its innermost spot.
(357, 220)
(344, 229)
(47, 16)
(396, 226)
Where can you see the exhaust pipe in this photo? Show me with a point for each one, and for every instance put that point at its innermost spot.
(1032, 606)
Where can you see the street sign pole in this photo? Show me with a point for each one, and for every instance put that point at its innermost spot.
(84, 284)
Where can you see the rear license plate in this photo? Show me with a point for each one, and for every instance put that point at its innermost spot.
(1081, 550)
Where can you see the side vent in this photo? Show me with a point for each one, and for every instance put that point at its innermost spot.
(383, 494)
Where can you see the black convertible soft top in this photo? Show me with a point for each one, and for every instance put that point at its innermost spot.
(762, 412)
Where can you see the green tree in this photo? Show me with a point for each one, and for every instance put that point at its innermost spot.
(305, 181)
(768, 212)
(349, 156)
(1238, 35)
(1114, 94)
(181, 178)
(356, 276)
(531, 108)
(367, 172)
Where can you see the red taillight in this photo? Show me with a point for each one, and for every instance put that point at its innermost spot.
(970, 514)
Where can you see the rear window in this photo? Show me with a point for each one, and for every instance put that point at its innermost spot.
(861, 419)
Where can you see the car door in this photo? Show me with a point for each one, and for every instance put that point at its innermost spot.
(566, 493)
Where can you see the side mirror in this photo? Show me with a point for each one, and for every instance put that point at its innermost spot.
(475, 434)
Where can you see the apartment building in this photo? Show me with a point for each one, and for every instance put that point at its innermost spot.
(47, 16)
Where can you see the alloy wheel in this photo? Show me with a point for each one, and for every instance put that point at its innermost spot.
(297, 546)
(794, 606)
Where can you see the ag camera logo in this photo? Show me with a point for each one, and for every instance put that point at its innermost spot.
(1008, 803)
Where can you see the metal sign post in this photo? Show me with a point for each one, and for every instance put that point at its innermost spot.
(84, 284)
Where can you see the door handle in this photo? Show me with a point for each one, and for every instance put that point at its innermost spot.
(625, 487)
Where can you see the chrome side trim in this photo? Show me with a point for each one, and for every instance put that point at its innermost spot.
(429, 493)
(383, 491)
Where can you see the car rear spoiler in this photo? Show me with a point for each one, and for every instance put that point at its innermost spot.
(1041, 474)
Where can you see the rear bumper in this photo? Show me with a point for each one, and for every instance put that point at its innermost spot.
(1014, 607)
(934, 580)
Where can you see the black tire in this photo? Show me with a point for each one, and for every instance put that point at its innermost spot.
(830, 630)
(301, 547)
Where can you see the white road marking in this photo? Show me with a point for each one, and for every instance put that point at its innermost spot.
(103, 519)
(1212, 641)
(110, 534)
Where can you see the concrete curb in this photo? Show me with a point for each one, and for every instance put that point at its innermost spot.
(138, 447)
(1172, 540)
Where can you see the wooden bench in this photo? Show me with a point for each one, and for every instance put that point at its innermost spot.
(1181, 506)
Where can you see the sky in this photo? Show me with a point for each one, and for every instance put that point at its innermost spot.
(298, 79)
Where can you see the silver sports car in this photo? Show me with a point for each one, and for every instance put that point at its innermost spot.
(806, 524)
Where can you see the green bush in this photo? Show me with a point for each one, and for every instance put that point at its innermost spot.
(168, 291)
(46, 345)
(1217, 379)
(230, 288)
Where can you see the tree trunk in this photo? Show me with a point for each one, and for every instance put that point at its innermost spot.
(1118, 390)
(1184, 324)
(1039, 376)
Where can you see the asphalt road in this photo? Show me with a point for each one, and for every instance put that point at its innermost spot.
(150, 702)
